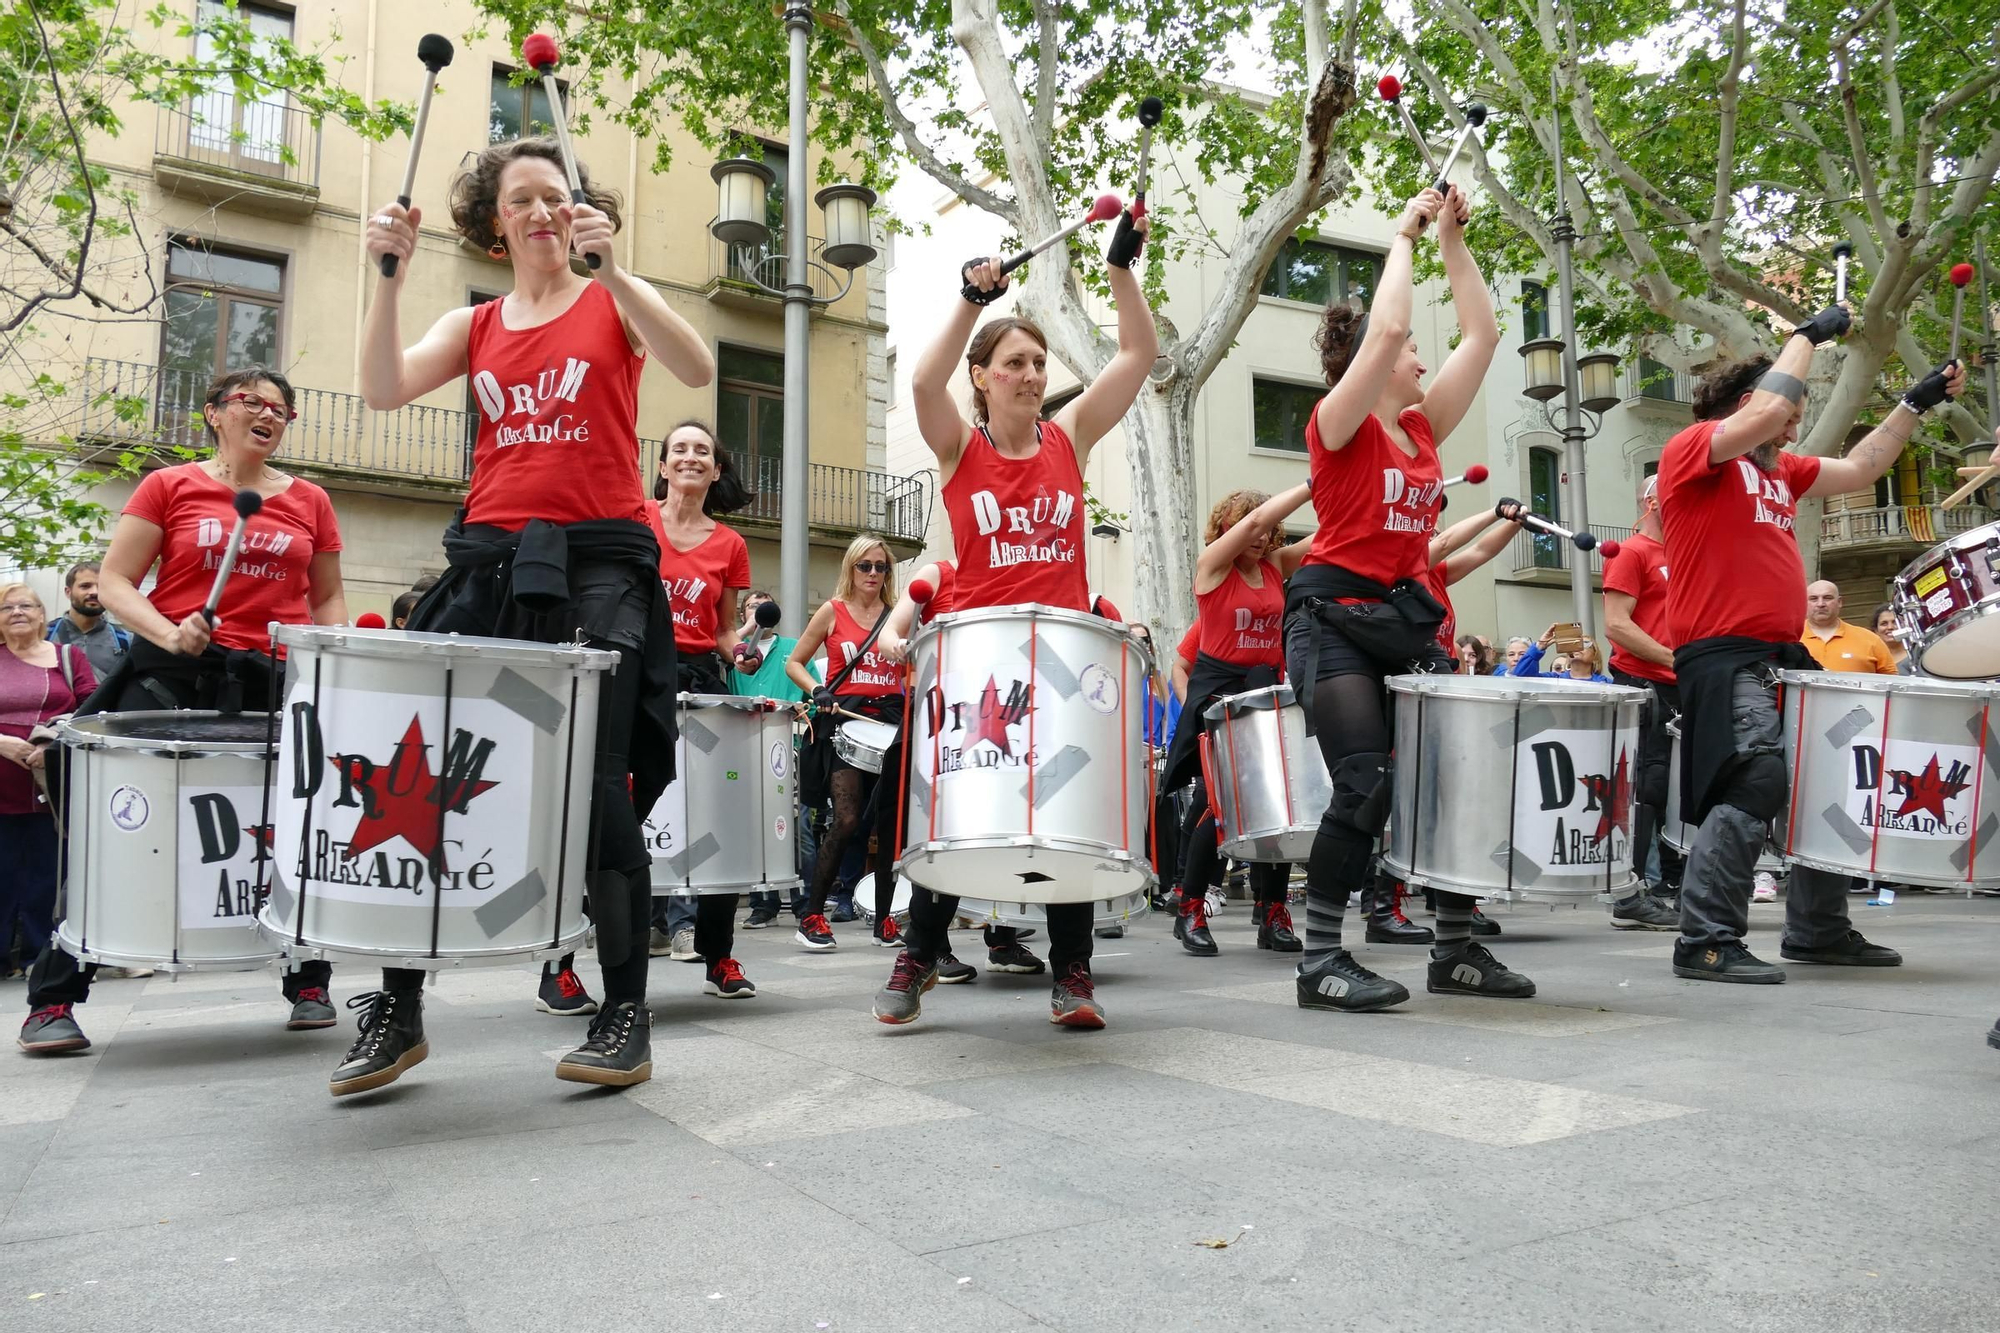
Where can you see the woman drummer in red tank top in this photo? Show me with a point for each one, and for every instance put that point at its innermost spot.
(1356, 612)
(1013, 489)
(553, 544)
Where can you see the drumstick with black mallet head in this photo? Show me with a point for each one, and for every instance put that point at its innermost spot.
(1842, 253)
(1475, 116)
(436, 53)
(539, 50)
(246, 504)
(1128, 240)
(1583, 541)
(1107, 207)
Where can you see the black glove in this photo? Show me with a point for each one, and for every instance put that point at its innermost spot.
(1507, 502)
(1827, 325)
(1126, 243)
(1927, 392)
(972, 293)
(823, 699)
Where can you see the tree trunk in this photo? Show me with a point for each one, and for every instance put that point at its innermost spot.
(1159, 438)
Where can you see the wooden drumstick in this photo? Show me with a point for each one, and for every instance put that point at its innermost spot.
(1980, 478)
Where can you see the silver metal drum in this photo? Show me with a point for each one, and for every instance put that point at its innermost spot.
(864, 744)
(728, 822)
(169, 828)
(1676, 832)
(1893, 777)
(1514, 786)
(433, 797)
(1264, 775)
(1946, 601)
(1104, 912)
(1027, 757)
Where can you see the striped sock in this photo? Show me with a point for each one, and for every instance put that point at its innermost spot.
(1325, 909)
(1454, 924)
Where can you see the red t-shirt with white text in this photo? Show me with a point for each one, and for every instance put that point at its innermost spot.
(1639, 570)
(874, 676)
(698, 580)
(1239, 624)
(1730, 541)
(196, 513)
(1376, 505)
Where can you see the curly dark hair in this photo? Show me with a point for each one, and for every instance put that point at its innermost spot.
(1723, 388)
(1340, 331)
(231, 380)
(727, 493)
(475, 194)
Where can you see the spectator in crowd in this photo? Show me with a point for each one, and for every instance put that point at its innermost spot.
(86, 625)
(1836, 644)
(1582, 664)
(399, 610)
(39, 682)
(1517, 648)
(1474, 657)
(1890, 631)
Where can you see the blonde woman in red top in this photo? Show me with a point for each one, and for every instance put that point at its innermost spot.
(553, 545)
(1013, 489)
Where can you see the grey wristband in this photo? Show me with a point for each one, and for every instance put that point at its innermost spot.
(1788, 387)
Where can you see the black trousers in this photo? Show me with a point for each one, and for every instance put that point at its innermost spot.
(1650, 784)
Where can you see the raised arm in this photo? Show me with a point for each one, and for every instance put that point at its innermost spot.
(668, 338)
(392, 377)
(1213, 565)
(1458, 381)
(797, 669)
(938, 418)
(1868, 461)
(1346, 405)
(1092, 414)
(1484, 547)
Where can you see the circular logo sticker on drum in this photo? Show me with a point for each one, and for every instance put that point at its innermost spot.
(780, 828)
(130, 809)
(1100, 688)
(781, 754)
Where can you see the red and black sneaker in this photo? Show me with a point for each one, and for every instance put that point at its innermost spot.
(562, 993)
(1073, 1002)
(52, 1030)
(903, 998)
(814, 933)
(312, 1009)
(888, 935)
(726, 981)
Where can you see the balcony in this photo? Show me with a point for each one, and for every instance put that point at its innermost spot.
(227, 151)
(729, 267)
(1540, 558)
(1899, 529)
(1648, 383)
(132, 406)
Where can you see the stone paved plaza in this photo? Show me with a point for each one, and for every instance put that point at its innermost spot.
(1626, 1151)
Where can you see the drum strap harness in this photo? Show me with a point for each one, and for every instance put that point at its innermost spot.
(1393, 626)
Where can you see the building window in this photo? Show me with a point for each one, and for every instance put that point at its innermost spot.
(1658, 382)
(519, 111)
(1534, 311)
(1279, 412)
(221, 311)
(244, 133)
(1319, 273)
(750, 417)
(1545, 498)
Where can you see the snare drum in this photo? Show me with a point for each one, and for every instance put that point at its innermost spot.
(864, 743)
(1945, 601)
(168, 839)
(1676, 832)
(864, 898)
(1117, 911)
(1893, 777)
(728, 821)
(1514, 786)
(1027, 757)
(432, 806)
(1265, 778)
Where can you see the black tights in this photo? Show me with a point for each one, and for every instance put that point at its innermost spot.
(851, 791)
(1201, 859)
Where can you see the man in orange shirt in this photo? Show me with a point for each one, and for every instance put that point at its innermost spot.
(1834, 643)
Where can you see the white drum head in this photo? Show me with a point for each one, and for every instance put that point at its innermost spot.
(1969, 652)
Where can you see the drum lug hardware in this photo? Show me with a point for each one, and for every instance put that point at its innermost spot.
(1954, 566)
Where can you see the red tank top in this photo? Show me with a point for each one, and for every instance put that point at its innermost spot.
(1239, 624)
(873, 676)
(944, 599)
(1376, 505)
(1017, 524)
(558, 406)
(1448, 631)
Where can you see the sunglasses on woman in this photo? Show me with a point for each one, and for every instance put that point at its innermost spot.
(871, 566)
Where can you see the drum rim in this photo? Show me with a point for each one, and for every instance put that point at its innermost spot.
(746, 703)
(1411, 876)
(1514, 689)
(76, 733)
(1861, 682)
(1900, 875)
(1113, 629)
(402, 645)
(1282, 692)
(681, 889)
(1962, 541)
(859, 722)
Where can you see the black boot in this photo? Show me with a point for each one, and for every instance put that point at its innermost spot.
(1386, 922)
(1191, 928)
(1274, 928)
(1338, 982)
(1483, 925)
(619, 1052)
(391, 1041)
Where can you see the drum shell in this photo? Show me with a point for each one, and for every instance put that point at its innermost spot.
(1104, 912)
(1267, 778)
(514, 853)
(1947, 601)
(863, 744)
(1503, 783)
(1676, 832)
(1026, 754)
(728, 823)
(143, 889)
(1855, 744)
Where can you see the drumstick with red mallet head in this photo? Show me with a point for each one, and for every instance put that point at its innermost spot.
(1108, 206)
(1961, 275)
(436, 53)
(1475, 475)
(1583, 541)
(1390, 89)
(246, 504)
(539, 50)
(921, 591)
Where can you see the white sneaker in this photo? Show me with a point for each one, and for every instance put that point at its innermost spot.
(1216, 902)
(1764, 888)
(683, 946)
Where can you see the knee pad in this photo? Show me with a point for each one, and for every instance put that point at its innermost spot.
(1757, 786)
(1652, 784)
(1361, 792)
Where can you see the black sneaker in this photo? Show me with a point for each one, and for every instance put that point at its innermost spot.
(1014, 958)
(562, 993)
(1471, 970)
(1727, 961)
(313, 1009)
(814, 933)
(843, 910)
(1191, 928)
(1073, 1001)
(1116, 932)
(1993, 1037)
(618, 1052)
(1274, 928)
(760, 919)
(1338, 982)
(951, 972)
(903, 998)
(1483, 924)
(887, 934)
(1642, 911)
(1850, 952)
(52, 1030)
(726, 981)
(391, 1041)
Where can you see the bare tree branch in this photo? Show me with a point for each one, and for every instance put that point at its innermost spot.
(1857, 143)
(975, 26)
(75, 281)
(1048, 18)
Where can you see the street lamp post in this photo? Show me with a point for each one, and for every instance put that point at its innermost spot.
(740, 224)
